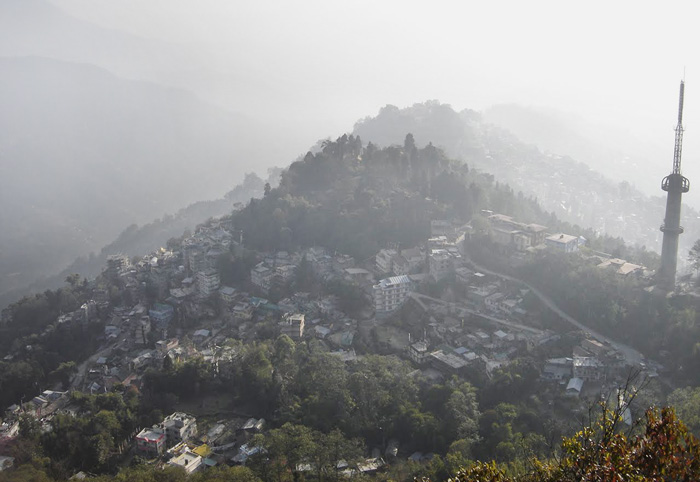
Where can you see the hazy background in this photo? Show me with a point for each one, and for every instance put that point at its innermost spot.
(119, 111)
(325, 64)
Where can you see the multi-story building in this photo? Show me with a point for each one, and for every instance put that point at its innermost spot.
(390, 293)
(179, 427)
(589, 368)
(440, 263)
(161, 314)
(293, 326)
(418, 352)
(207, 282)
(385, 260)
(151, 441)
(228, 294)
(116, 263)
(261, 276)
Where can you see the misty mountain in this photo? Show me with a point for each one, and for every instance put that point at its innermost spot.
(39, 28)
(138, 240)
(614, 151)
(562, 184)
(84, 153)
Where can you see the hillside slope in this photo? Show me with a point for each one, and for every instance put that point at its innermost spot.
(84, 153)
(563, 185)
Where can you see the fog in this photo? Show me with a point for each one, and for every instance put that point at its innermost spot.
(322, 65)
(107, 101)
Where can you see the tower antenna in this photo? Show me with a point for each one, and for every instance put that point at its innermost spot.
(675, 184)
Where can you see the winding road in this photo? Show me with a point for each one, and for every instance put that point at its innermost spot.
(632, 356)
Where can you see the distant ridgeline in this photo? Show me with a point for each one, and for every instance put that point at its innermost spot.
(137, 240)
(563, 186)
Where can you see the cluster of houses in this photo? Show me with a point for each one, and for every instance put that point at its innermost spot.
(591, 362)
(507, 231)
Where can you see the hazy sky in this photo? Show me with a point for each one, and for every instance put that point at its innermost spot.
(328, 63)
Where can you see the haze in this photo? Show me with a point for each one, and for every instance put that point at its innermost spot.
(117, 112)
(323, 66)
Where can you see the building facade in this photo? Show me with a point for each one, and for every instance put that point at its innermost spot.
(390, 293)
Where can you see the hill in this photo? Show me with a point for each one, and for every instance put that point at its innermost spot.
(84, 153)
(571, 189)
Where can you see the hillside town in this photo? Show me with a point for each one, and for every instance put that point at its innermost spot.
(173, 307)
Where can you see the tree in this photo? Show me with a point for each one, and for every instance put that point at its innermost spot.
(665, 450)
(694, 256)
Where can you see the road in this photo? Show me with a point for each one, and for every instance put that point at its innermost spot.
(81, 369)
(632, 356)
(509, 324)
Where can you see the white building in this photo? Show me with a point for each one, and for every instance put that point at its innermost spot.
(189, 461)
(179, 427)
(390, 293)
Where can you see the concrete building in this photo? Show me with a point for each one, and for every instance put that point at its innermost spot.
(151, 441)
(228, 294)
(179, 427)
(589, 368)
(161, 314)
(261, 276)
(563, 243)
(440, 263)
(207, 282)
(293, 326)
(385, 260)
(418, 352)
(116, 263)
(390, 293)
(189, 461)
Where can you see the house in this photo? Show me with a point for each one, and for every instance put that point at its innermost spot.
(447, 363)
(187, 460)
(588, 368)
(151, 441)
(573, 388)
(243, 311)
(161, 314)
(293, 326)
(418, 352)
(621, 267)
(179, 427)
(227, 294)
(384, 260)
(558, 368)
(390, 293)
(536, 233)
(358, 275)
(562, 243)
